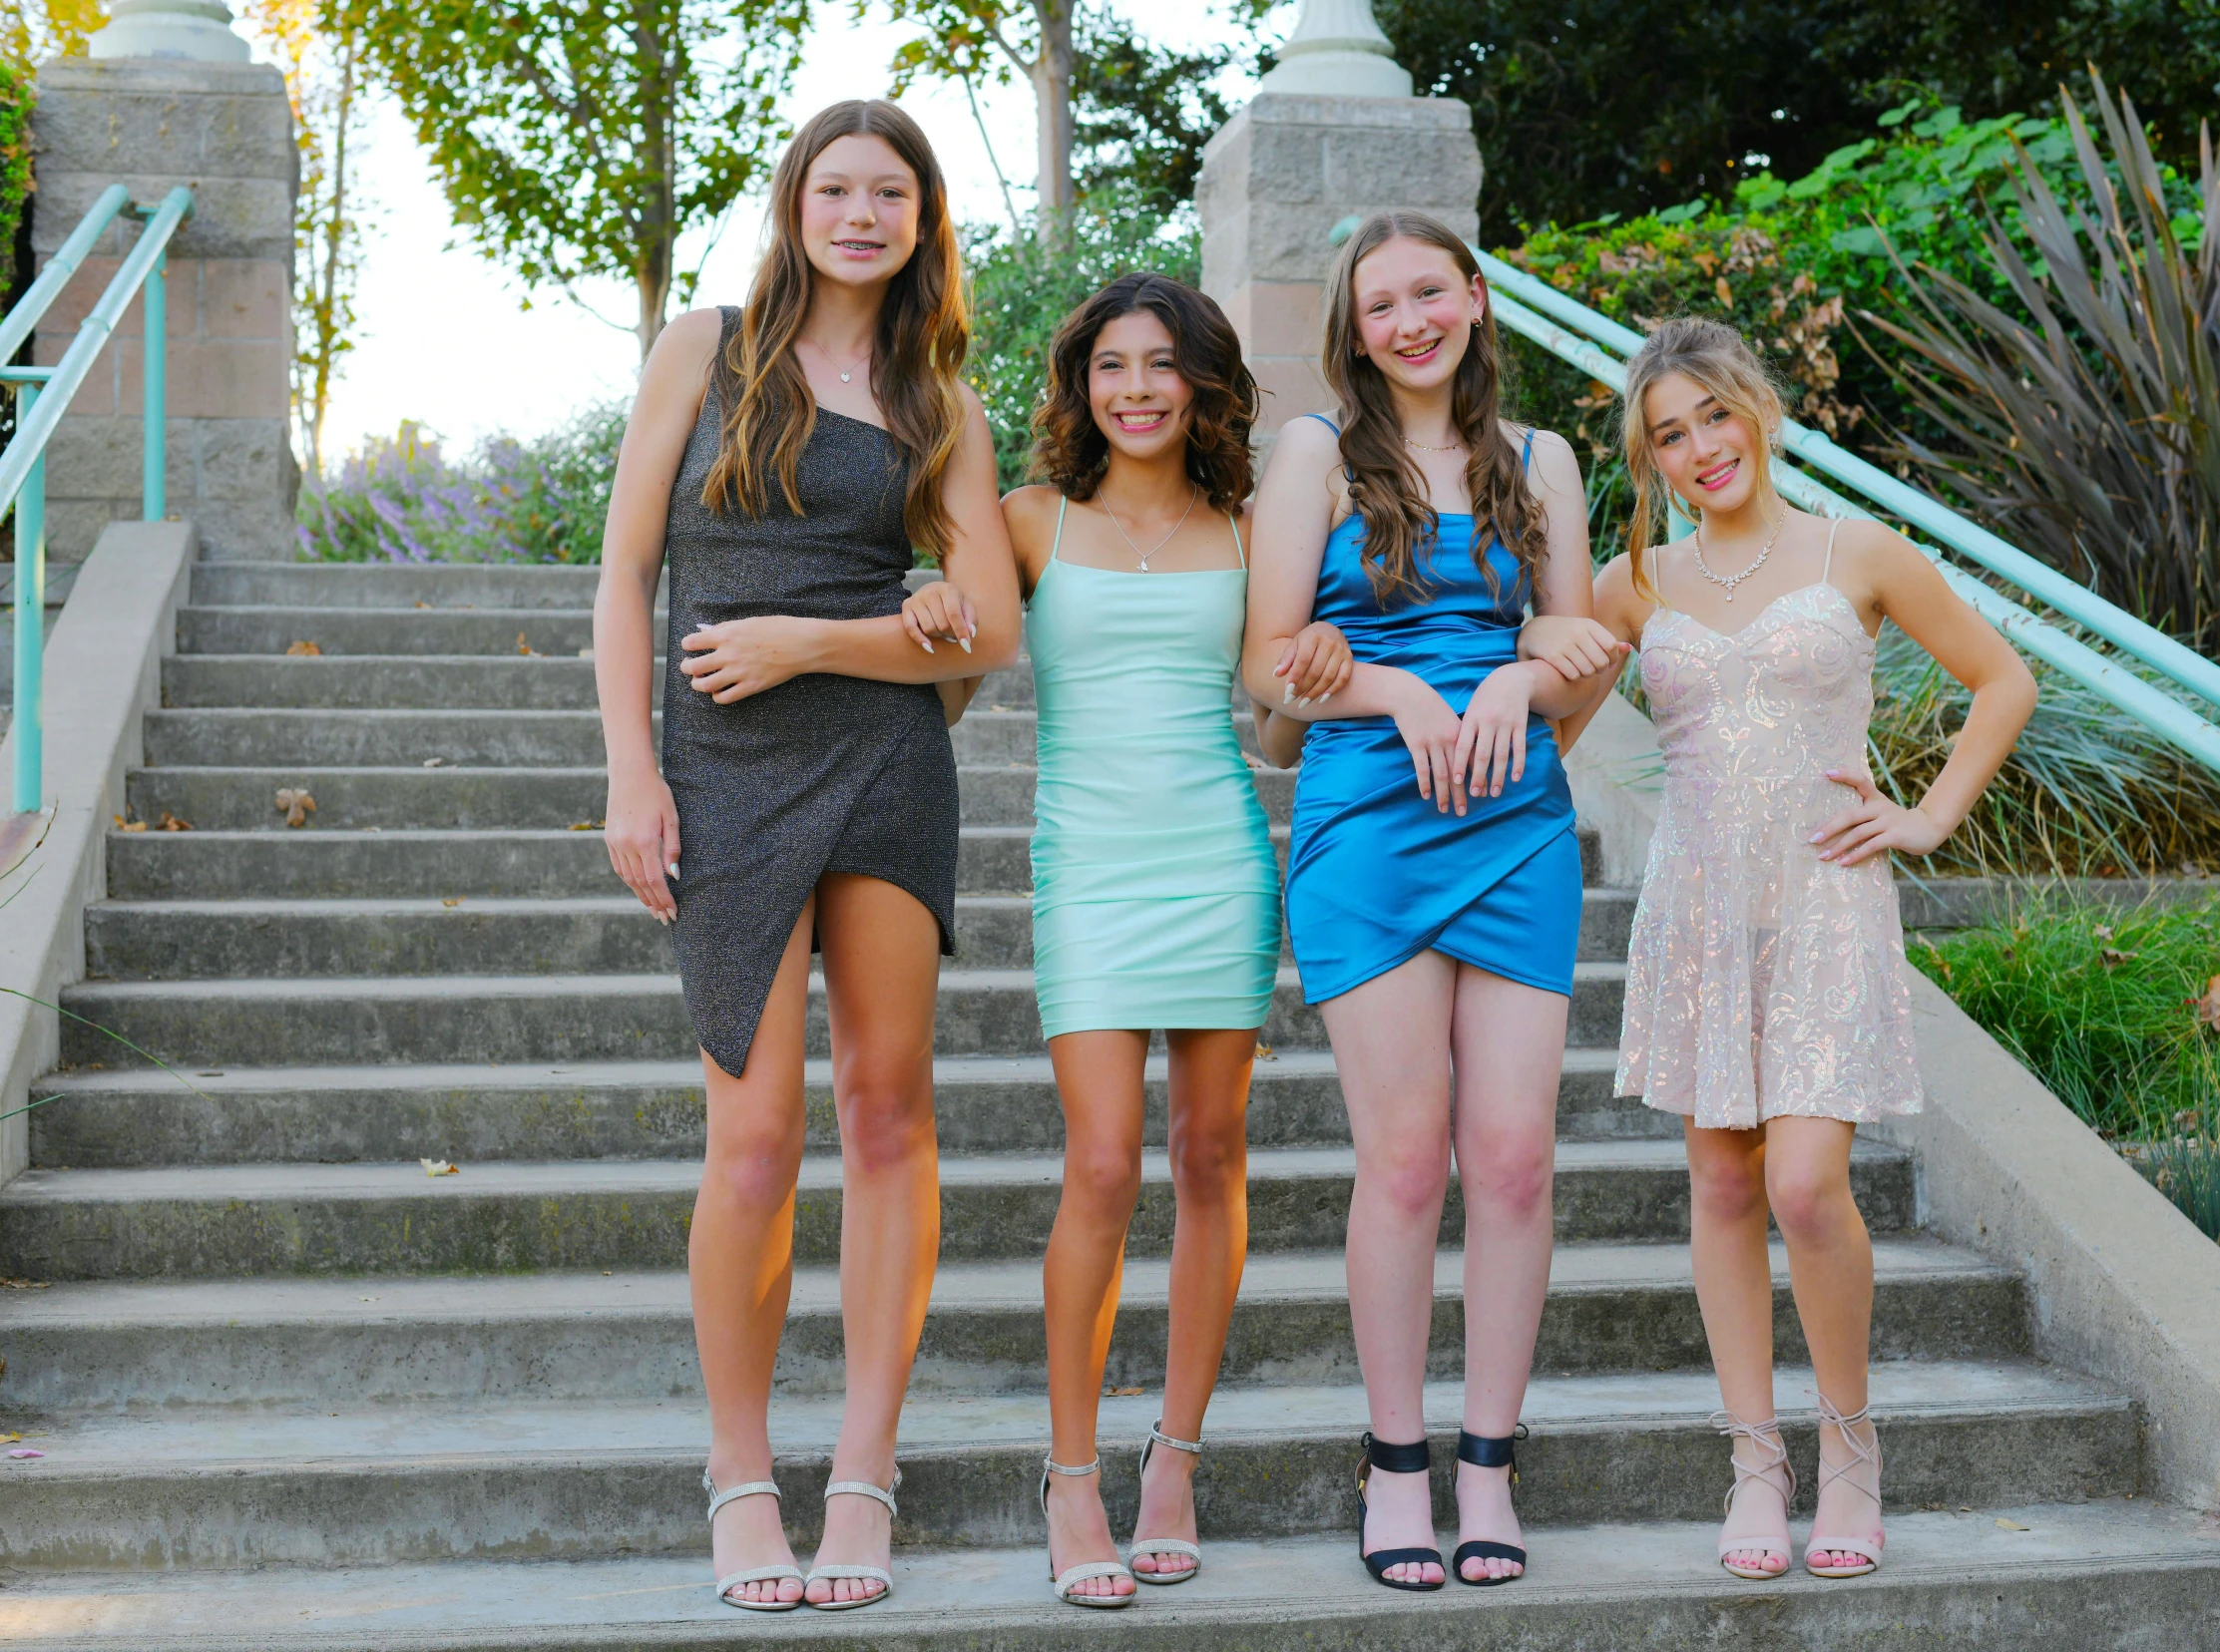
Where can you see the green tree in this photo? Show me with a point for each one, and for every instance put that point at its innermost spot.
(1142, 113)
(977, 41)
(579, 137)
(1584, 106)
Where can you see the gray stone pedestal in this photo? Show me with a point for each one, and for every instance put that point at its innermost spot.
(151, 124)
(1275, 180)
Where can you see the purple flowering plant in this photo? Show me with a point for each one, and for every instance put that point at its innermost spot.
(512, 500)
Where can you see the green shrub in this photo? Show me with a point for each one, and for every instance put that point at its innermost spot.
(1023, 286)
(1793, 263)
(2112, 1009)
(536, 501)
(18, 91)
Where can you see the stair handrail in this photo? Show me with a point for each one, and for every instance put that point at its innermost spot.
(43, 395)
(2078, 603)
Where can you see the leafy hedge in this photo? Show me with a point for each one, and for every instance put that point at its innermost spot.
(18, 91)
(1794, 264)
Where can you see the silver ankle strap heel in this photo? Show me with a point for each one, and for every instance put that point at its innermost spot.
(856, 1489)
(1064, 1581)
(1166, 1545)
(754, 1574)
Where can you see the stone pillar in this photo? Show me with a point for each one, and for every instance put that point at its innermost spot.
(1331, 132)
(151, 122)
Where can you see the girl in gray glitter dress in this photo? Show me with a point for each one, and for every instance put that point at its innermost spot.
(782, 461)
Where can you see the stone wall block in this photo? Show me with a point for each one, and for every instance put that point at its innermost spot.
(239, 459)
(241, 298)
(1292, 386)
(1433, 174)
(1287, 165)
(1282, 318)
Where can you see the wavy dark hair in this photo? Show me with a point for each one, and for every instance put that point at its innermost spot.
(1070, 450)
(916, 355)
(1385, 487)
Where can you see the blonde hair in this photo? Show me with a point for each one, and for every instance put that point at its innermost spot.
(1385, 487)
(1719, 359)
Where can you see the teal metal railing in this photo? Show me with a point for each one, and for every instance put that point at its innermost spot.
(1599, 346)
(41, 396)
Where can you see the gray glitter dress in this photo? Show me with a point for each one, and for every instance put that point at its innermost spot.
(820, 774)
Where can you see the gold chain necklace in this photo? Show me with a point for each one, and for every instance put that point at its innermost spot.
(1161, 544)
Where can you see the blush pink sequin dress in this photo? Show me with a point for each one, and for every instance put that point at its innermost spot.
(1762, 981)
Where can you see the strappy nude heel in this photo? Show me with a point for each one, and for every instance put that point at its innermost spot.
(1860, 1455)
(855, 1489)
(754, 1574)
(1166, 1545)
(1766, 1436)
(1063, 1582)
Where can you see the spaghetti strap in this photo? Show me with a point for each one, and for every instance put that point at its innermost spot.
(1322, 419)
(1062, 503)
(1233, 519)
(1827, 567)
(1526, 452)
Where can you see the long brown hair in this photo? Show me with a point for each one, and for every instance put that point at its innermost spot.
(1385, 487)
(1070, 450)
(1721, 360)
(922, 338)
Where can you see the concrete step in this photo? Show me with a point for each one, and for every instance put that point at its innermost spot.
(611, 935)
(439, 682)
(244, 798)
(628, 1337)
(2061, 1577)
(557, 633)
(503, 1217)
(127, 1119)
(396, 586)
(252, 1485)
(266, 737)
(379, 865)
(534, 1017)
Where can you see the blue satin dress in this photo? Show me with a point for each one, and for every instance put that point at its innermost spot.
(1376, 874)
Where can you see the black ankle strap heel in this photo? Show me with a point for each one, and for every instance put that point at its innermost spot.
(1414, 1458)
(1482, 1451)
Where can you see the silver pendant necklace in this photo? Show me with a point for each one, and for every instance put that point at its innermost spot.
(833, 362)
(1161, 544)
(1728, 581)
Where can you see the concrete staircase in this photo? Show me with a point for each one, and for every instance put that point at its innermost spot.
(294, 1391)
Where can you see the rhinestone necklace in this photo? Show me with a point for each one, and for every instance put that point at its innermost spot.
(1429, 447)
(1728, 581)
(1161, 544)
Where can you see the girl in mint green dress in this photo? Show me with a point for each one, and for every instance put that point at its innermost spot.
(1155, 891)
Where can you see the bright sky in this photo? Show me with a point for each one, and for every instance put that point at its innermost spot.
(443, 337)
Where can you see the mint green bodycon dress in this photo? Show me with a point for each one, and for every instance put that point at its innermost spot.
(1155, 897)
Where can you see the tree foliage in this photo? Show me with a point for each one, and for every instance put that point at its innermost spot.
(1584, 106)
(982, 42)
(1142, 113)
(580, 137)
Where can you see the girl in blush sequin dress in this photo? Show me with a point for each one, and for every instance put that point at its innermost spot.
(1767, 1001)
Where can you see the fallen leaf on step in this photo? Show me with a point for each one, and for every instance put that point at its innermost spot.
(170, 823)
(1124, 1392)
(424, 605)
(294, 803)
(22, 1452)
(581, 825)
(2208, 1007)
(435, 763)
(23, 1284)
(450, 900)
(438, 1168)
(9, 1438)
(123, 825)
(524, 647)
(303, 651)
(585, 653)
(1264, 1052)
(2013, 1525)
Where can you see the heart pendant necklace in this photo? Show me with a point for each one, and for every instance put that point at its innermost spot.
(847, 372)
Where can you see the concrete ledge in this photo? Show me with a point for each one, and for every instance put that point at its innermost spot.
(103, 672)
(2123, 1286)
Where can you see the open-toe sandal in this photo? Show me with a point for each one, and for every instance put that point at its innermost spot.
(1392, 1459)
(1868, 1550)
(1483, 1452)
(1166, 1545)
(1766, 1438)
(1066, 1581)
(754, 1574)
(856, 1489)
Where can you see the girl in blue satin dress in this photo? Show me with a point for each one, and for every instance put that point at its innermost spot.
(1434, 877)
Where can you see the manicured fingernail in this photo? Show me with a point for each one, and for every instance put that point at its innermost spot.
(964, 642)
(1305, 700)
(1817, 836)
(1287, 695)
(1327, 696)
(925, 643)
(672, 869)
